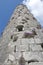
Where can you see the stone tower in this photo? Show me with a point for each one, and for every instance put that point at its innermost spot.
(22, 40)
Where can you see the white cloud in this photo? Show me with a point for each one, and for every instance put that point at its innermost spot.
(36, 7)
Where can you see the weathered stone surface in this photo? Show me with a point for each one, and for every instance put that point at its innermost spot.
(22, 48)
(35, 47)
(26, 41)
(11, 57)
(37, 40)
(33, 55)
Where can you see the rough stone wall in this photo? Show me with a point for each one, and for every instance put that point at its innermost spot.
(22, 40)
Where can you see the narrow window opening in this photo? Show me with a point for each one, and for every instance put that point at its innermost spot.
(20, 27)
(15, 38)
(15, 48)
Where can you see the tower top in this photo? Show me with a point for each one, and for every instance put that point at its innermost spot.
(22, 15)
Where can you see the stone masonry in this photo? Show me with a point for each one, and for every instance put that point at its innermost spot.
(22, 39)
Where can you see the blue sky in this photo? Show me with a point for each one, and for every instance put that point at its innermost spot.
(36, 8)
(7, 7)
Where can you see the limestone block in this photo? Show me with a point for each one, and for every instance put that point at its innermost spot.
(34, 47)
(36, 63)
(0, 63)
(18, 42)
(11, 43)
(11, 57)
(37, 40)
(22, 47)
(33, 55)
(7, 62)
(17, 55)
(27, 41)
(42, 39)
(11, 46)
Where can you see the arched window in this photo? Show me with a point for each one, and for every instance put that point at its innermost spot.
(20, 27)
